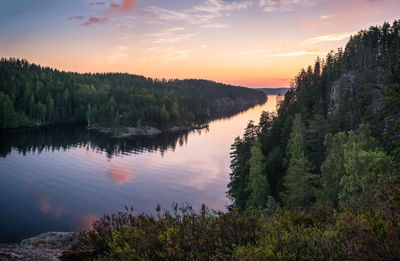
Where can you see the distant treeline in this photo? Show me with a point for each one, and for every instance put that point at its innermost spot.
(274, 91)
(34, 95)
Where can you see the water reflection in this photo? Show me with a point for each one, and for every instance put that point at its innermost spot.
(68, 136)
(47, 208)
(62, 178)
(65, 137)
(84, 222)
(120, 174)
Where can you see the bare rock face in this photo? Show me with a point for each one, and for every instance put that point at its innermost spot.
(349, 84)
(29, 252)
(52, 238)
(378, 101)
(127, 132)
(47, 246)
(346, 81)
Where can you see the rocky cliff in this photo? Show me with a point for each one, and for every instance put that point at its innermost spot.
(357, 97)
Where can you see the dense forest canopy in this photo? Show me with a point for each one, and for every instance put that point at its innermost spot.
(34, 95)
(336, 134)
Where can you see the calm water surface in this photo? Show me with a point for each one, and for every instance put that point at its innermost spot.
(61, 179)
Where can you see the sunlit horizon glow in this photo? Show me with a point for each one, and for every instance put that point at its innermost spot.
(254, 43)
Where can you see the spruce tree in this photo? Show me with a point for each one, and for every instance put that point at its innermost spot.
(332, 169)
(258, 183)
(300, 182)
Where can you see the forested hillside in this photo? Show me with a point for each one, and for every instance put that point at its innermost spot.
(32, 95)
(335, 136)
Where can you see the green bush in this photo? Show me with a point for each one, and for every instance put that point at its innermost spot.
(354, 232)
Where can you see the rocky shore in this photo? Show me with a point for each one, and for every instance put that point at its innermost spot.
(47, 247)
(128, 132)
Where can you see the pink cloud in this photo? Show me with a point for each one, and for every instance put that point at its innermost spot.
(115, 8)
(95, 20)
(125, 7)
(128, 4)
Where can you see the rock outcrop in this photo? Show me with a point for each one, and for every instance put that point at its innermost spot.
(128, 132)
(44, 247)
(346, 81)
(362, 94)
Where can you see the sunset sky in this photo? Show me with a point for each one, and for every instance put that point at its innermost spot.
(255, 43)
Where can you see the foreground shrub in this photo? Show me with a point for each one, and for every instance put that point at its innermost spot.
(183, 235)
(296, 235)
(354, 232)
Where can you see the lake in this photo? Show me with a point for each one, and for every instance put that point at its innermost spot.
(62, 178)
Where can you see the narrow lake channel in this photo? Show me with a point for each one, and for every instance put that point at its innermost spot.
(63, 178)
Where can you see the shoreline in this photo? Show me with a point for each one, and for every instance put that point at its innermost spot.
(221, 105)
(147, 131)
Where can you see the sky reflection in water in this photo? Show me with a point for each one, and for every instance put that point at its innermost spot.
(63, 179)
